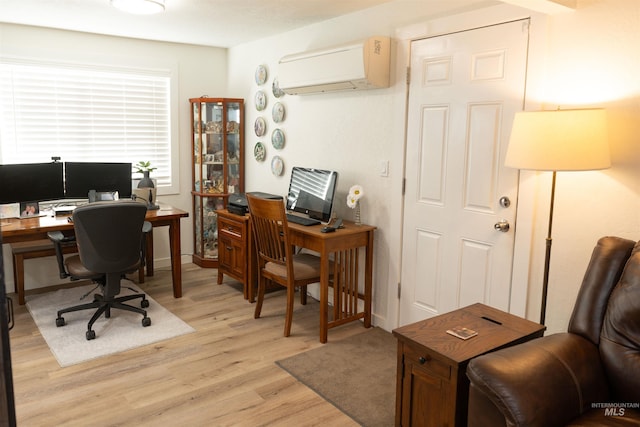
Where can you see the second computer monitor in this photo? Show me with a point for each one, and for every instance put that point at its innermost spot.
(312, 192)
(81, 177)
(31, 182)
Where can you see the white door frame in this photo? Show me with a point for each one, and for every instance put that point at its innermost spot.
(525, 244)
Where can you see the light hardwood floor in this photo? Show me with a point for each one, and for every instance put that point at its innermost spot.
(222, 375)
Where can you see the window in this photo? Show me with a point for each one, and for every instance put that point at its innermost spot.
(82, 113)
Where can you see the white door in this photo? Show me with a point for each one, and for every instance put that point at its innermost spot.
(464, 91)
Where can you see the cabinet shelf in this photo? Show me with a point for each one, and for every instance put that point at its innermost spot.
(217, 146)
(209, 194)
(231, 162)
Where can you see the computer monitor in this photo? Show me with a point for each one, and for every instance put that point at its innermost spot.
(31, 182)
(81, 177)
(312, 192)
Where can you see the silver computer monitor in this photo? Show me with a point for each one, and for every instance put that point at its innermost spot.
(312, 192)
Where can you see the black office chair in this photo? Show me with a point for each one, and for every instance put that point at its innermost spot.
(108, 236)
(60, 240)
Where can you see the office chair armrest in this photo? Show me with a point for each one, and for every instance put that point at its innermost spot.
(59, 240)
(57, 237)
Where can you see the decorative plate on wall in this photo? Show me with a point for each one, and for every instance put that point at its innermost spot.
(261, 75)
(275, 88)
(277, 166)
(259, 151)
(277, 139)
(260, 126)
(261, 100)
(277, 112)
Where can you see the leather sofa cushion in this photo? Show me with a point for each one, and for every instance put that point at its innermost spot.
(620, 339)
(603, 272)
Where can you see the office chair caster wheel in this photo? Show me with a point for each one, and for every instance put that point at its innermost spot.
(60, 322)
(146, 322)
(91, 335)
(144, 303)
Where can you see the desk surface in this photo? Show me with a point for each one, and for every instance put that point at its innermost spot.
(349, 228)
(351, 236)
(17, 230)
(21, 230)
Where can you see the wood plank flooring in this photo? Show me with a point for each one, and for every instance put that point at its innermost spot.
(222, 375)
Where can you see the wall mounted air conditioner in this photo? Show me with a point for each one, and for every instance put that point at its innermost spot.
(359, 65)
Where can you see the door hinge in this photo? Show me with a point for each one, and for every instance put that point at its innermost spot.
(399, 289)
(404, 185)
(408, 76)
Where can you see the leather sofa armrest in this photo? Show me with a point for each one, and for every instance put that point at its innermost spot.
(544, 382)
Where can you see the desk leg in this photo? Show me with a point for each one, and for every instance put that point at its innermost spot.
(18, 276)
(176, 266)
(149, 253)
(324, 296)
(368, 281)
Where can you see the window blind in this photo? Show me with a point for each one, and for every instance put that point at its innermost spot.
(85, 114)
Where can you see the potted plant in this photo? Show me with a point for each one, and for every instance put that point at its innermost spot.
(145, 169)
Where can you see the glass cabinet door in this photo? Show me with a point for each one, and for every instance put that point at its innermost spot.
(233, 147)
(218, 168)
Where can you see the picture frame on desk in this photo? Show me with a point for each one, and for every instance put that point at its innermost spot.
(10, 210)
(29, 209)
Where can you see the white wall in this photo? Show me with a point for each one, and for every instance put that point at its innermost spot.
(592, 51)
(198, 70)
(351, 132)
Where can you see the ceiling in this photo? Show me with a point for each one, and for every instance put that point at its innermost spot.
(221, 23)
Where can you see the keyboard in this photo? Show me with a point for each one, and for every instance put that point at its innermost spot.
(302, 220)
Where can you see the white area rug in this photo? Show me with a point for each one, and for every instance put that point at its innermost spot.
(123, 331)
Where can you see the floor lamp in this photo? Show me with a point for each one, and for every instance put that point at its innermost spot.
(560, 140)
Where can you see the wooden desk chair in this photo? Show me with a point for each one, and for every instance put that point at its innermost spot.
(276, 261)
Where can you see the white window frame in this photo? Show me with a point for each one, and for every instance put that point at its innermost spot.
(167, 175)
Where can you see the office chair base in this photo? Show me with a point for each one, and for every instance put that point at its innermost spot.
(104, 306)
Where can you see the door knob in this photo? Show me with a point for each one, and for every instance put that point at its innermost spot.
(502, 225)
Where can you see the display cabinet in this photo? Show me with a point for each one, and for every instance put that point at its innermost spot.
(218, 168)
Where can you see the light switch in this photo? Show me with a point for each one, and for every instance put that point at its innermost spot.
(384, 168)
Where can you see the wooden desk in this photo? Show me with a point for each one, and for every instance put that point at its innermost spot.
(344, 244)
(432, 386)
(21, 230)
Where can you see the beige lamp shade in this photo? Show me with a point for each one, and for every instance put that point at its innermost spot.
(139, 7)
(560, 140)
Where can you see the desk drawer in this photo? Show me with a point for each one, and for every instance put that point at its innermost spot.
(421, 358)
(233, 229)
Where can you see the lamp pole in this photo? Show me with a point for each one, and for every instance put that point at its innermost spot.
(547, 256)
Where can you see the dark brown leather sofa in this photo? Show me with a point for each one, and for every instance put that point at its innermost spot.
(588, 376)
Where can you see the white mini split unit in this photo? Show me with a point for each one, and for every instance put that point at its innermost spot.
(359, 65)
